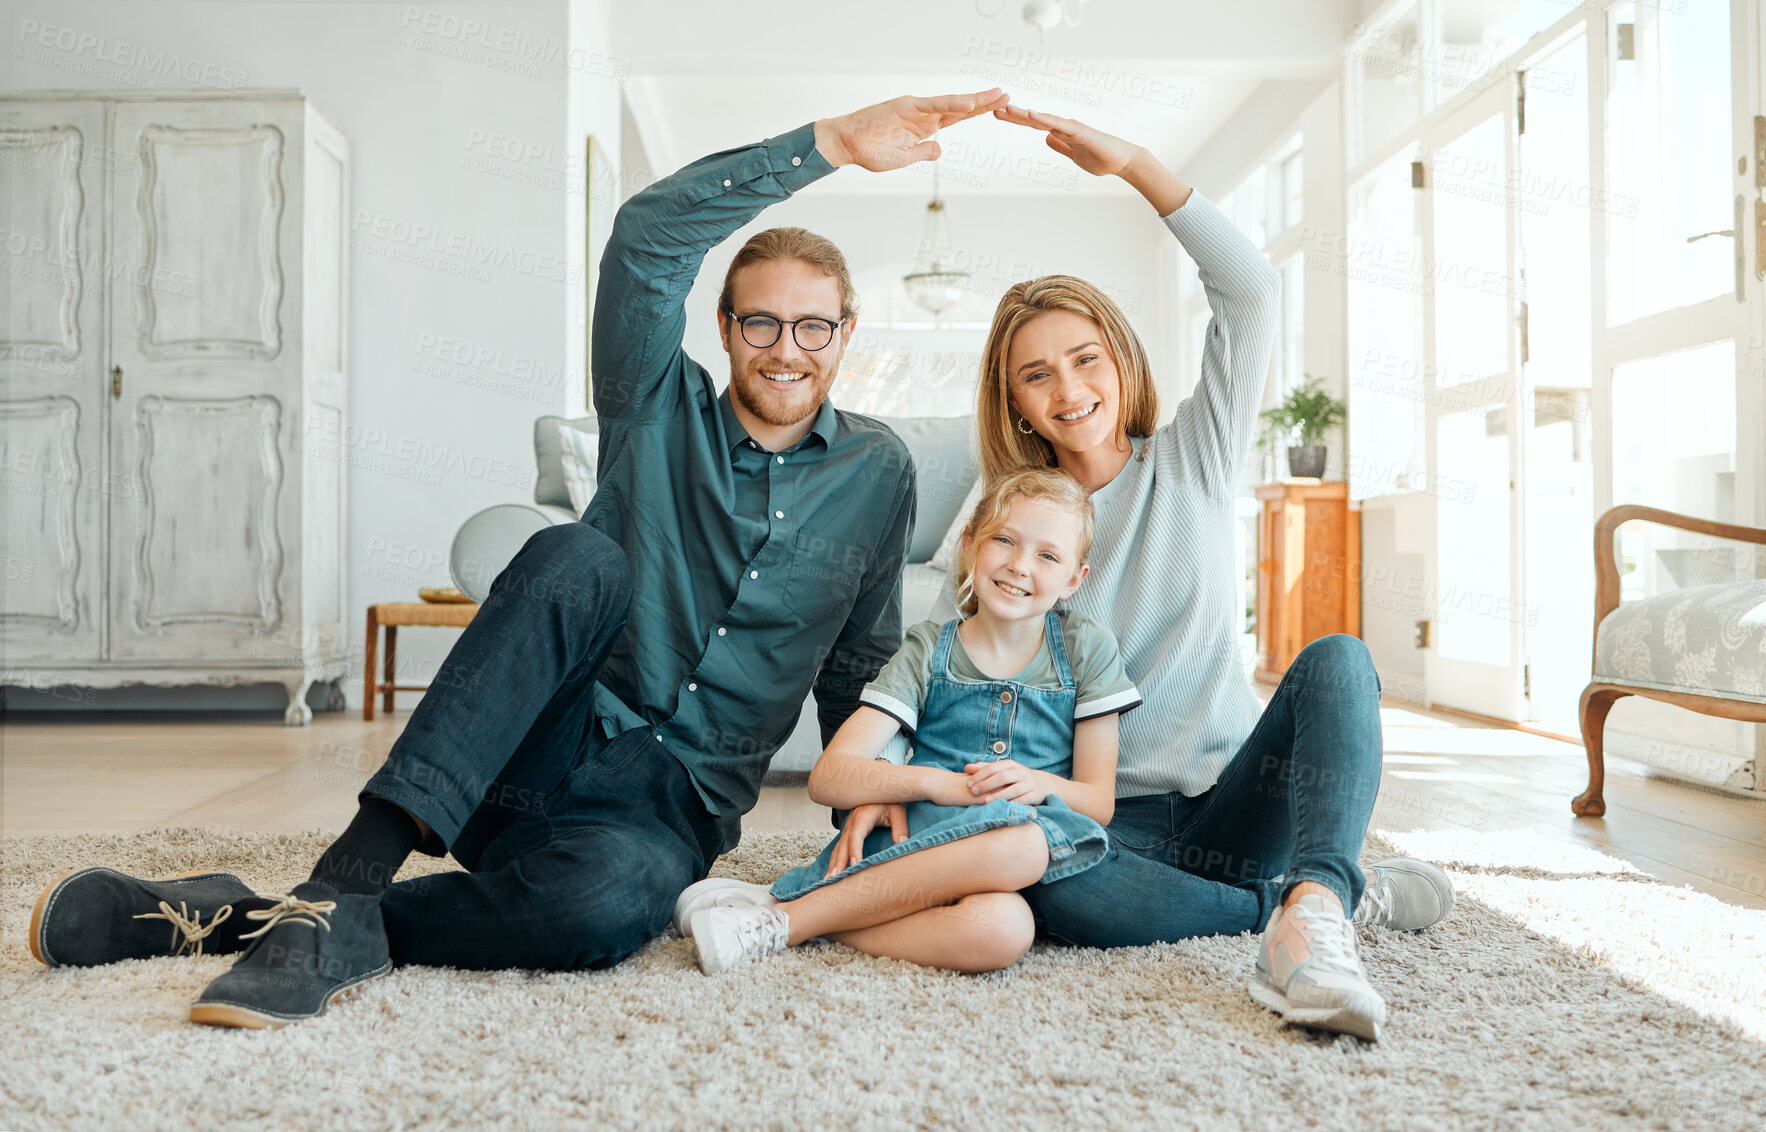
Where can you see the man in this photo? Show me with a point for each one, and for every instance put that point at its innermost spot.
(594, 737)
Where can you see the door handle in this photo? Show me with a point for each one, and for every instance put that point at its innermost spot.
(116, 381)
(1708, 235)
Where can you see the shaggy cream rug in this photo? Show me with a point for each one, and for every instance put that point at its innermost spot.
(1493, 1025)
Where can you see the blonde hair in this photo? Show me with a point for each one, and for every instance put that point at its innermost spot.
(802, 245)
(1044, 485)
(1003, 446)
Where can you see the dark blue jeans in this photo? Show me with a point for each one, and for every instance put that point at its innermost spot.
(1292, 805)
(576, 845)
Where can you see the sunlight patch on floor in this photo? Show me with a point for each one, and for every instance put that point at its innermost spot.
(1683, 944)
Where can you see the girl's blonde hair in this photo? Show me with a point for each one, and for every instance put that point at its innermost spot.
(1003, 446)
(1045, 485)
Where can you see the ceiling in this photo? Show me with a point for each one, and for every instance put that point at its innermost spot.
(1168, 74)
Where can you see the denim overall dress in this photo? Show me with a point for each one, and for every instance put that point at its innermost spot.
(962, 722)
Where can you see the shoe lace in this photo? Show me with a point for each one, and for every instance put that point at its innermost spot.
(295, 911)
(765, 933)
(1377, 904)
(188, 924)
(1330, 937)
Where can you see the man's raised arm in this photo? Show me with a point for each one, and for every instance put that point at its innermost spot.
(661, 235)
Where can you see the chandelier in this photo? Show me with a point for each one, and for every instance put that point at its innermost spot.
(935, 284)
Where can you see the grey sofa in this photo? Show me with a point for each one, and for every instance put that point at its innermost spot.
(945, 470)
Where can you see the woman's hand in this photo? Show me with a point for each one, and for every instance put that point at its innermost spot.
(1098, 153)
(1008, 780)
(850, 849)
(899, 132)
(1105, 155)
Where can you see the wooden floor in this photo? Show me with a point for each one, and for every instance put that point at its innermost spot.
(117, 773)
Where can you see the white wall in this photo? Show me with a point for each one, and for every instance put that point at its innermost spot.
(463, 120)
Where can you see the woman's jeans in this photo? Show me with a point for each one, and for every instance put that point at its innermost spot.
(577, 845)
(1291, 806)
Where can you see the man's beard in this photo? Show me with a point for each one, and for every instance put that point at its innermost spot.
(762, 398)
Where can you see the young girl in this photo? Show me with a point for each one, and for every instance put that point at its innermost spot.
(1012, 777)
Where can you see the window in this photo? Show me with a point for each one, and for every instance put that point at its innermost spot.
(1668, 159)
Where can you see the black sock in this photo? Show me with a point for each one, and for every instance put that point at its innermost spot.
(368, 855)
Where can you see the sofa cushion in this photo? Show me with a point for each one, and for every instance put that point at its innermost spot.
(549, 485)
(1708, 640)
(487, 542)
(944, 467)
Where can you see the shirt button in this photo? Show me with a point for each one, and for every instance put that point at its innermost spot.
(721, 630)
(778, 514)
(781, 459)
(726, 182)
(999, 746)
(754, 573)
(1005, 697)
(692, 687)
(797, 161)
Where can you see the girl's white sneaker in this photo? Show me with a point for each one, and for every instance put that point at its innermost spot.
(729, 937)
(719, 892)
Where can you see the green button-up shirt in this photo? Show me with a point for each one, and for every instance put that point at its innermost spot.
(756, 575)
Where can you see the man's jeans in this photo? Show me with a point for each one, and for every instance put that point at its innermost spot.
(1291, 806)
(577, 845)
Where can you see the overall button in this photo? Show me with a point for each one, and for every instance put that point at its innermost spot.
(999, 746)
(1005, 697)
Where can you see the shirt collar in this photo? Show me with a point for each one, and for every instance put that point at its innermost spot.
(827, 423)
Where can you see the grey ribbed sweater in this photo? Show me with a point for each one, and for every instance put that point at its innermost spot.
(1162, 561)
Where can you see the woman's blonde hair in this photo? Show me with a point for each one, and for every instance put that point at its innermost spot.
(1045, 485)
(1003, 446)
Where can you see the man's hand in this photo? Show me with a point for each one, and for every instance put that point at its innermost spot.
(1009, 780)
(899, 132)
(859, 824)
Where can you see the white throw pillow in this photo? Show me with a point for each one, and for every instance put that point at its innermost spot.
(945, 557)
(577, 449)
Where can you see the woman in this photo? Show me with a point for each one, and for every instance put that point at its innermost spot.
(1229, 819)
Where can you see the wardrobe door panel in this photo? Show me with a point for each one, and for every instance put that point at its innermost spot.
(52, 161)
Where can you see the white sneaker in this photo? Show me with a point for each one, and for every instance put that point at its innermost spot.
(1405, 894)
(729, 937)
(718, 892)
(1309, 972)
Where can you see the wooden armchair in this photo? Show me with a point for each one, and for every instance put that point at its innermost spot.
(1624, 666)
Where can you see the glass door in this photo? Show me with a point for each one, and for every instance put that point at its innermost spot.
(1553, 204)
(1473, 408)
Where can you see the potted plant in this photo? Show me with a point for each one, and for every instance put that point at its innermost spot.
(1306, 414)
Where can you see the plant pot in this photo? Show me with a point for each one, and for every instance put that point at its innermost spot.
(1307, 461)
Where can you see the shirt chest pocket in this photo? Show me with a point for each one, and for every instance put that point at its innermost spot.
(824, 575)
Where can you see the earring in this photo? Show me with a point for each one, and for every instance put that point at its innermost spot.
(1021, 423)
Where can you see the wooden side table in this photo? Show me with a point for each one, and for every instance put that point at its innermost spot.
(392, 614)
(1309, 572)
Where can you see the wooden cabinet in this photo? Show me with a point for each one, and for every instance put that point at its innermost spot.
(172, 381)
(1308, 570)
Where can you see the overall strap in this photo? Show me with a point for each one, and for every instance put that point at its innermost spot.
(1058, 648)
(941, 655)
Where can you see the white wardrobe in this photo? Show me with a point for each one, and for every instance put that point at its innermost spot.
(172, 390)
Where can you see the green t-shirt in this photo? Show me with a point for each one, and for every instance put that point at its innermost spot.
(1102, 684)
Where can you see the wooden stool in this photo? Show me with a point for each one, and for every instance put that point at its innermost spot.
(392, 614)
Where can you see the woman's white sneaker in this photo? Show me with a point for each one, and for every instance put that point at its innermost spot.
(729, 937)
(1309, 972)
(1406, 894)
(719, 892)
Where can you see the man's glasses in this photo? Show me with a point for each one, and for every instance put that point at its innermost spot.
(762, 330)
